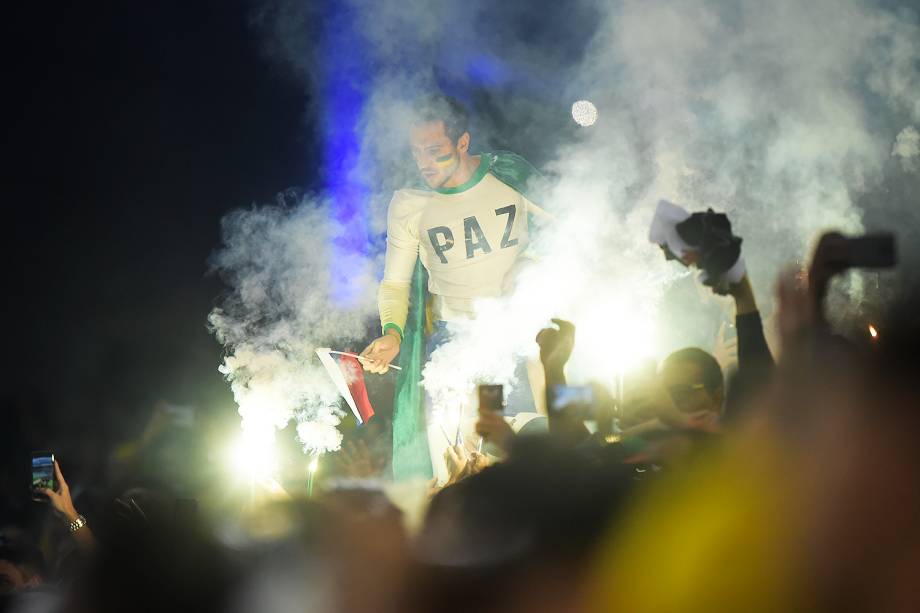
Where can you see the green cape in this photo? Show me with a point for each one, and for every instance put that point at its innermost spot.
(411, 457)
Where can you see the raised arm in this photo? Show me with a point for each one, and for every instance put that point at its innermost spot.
(755, 363)
(63, 507)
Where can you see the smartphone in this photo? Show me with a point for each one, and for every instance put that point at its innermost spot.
(577, 397)
(870, 251)
(43, 473)
(492, 398)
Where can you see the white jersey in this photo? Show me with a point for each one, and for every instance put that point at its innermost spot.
(468, 238)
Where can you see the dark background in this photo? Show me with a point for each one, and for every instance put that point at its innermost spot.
(131, 129)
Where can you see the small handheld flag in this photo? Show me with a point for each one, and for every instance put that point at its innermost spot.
(348, 377)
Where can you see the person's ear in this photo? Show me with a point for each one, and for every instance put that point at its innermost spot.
(463, 143)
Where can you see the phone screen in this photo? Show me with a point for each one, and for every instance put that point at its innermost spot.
(566, 396)
(871, 251)
(43, 471)
(492, 397)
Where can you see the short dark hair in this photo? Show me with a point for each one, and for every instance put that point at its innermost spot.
(712, 372)
(438, 107)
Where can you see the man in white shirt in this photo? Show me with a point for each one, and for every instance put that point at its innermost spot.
(469, 227)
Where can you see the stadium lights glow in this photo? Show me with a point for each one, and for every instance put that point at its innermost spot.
(584, 113)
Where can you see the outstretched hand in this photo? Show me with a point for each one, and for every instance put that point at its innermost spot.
(462, 463)
(556, 345)
(60, 500)
(62, 504)
(801, 299)
(828, 260)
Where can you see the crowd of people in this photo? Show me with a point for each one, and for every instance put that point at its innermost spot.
(785, 483)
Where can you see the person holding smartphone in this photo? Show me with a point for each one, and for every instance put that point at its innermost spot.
(491, 424)
(63, 507)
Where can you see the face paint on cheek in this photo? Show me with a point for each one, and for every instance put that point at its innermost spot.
(444, 161)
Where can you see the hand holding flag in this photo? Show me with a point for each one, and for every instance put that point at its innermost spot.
(378, 355)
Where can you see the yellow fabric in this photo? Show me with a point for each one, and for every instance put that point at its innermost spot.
(717, 537)
(466, 241)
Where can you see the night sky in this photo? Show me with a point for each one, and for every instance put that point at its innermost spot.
(132, 129)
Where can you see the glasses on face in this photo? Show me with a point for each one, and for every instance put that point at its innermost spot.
(681, 392)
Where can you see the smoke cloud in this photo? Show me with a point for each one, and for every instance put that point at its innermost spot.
(907, 147)
(276, 260)
(788, 116)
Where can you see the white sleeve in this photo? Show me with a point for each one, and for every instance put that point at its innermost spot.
(402, 253)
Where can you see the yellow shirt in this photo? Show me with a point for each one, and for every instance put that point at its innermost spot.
(468, 238)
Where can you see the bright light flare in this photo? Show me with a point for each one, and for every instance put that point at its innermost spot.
(873, 331)
(612, 339)
(253, 457)
(311, 474)
(584, 113)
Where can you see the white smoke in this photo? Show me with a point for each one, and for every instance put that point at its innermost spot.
(758, 109)
(907, 148)
(782, 114)
(277, 261)
(594, 266)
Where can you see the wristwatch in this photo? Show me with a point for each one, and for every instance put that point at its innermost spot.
(78, 523)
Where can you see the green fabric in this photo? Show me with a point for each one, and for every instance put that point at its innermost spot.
(410, 436)
(481, 171)
(518, 174)
(509, 168)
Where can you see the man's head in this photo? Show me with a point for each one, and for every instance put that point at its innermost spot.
(694, 380)
(20, 567)
(439, 138)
